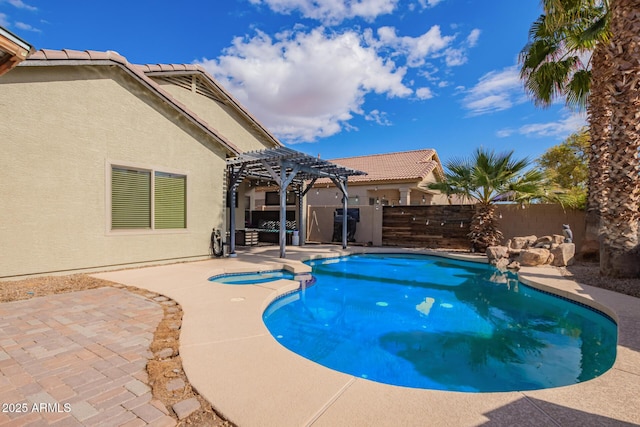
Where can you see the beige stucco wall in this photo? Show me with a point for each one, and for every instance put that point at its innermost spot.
(388, 194)
(222, 117)
(368, 230)
(60, 129)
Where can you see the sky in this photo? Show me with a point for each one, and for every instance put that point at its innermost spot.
(335, 78)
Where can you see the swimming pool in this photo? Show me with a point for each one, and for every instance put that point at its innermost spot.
(428, 322)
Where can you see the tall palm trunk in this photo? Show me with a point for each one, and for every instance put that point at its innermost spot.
(620, 256)
(484, 228)
(599, 130)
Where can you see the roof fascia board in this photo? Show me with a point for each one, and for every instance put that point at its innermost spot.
(15, 40)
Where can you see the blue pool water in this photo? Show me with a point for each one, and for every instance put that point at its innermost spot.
(252, 278)
(428, 322)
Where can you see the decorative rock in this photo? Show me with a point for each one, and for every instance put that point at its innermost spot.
(534, 256)
(186, 407)
(165, 353)
(497, 252)
(558, 238)
(523, 242)
(175, 384)
(543, 242)
(564, 254)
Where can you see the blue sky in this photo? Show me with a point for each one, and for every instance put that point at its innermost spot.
(338, 78)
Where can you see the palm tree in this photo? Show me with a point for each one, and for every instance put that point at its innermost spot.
(612, 106)
(552, 67)
(487, 178)
(619, 254)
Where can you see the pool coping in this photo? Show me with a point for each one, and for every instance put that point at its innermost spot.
(233, 361)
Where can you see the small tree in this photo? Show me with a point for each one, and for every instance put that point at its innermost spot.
(567, 167)
(487, 178)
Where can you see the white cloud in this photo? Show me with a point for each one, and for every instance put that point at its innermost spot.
(424, 93)
(472, 38)
(569, 123)
(332, 11)
(495, 91)
(430, 45)
(416, 49)
(504, 133)
(4, 22)
(429, 3)
(561, 128)
(379, 117)
(455, 57)
(21, 5)
(305, 86)
(27, 27)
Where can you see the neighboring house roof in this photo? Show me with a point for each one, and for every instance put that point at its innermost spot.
(89, 57)
(413, 165)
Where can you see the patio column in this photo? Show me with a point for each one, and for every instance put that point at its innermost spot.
(235, 178)
(284, 180)
(342, 185)
(302, 202)
(345, 203)
(283, 213)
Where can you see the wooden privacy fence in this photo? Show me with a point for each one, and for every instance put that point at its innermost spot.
(447, 226)
(435, 226)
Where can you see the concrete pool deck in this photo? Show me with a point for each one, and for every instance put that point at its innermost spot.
(232, 360)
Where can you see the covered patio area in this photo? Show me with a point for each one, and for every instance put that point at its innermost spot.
(288, 169)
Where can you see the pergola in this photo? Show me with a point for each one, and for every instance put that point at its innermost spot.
(286, 167)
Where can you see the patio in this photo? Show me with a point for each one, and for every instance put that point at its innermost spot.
(232, 360)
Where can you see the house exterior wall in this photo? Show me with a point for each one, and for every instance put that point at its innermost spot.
(368, 230)
(387, 194)
(61, 128)
(222, 117)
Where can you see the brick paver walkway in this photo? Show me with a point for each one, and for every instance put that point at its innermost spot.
(78, 359)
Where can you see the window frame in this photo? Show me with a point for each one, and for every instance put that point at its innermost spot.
(152, 170)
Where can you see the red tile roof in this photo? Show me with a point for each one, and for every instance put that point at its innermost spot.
(91, 57)
(406, 165)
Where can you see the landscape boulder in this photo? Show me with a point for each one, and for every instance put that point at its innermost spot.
(495, 253)
(535, 256)
(564, 254)
(543, 242)
(522, 242)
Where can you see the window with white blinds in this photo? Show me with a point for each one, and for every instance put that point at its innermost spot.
(143, 199)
